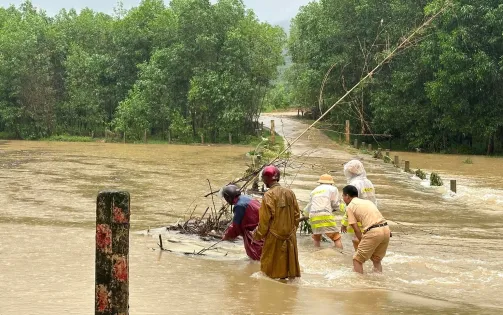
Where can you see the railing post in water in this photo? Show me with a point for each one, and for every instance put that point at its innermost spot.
(397, 161)
(453, 186)
(202, 139)
(112, 253)
(407, 166)
(169, 136)
(230, 138)
(273, 133)
(355, 145)
(370, 147)
(363, 146)
(347, 132)
(387, 152)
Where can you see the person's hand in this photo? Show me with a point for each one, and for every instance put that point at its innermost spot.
(344, 229)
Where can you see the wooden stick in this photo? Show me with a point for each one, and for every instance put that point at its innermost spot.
(160, 242)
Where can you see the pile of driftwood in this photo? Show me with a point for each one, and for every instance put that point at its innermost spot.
(212, 225)
(214, 222)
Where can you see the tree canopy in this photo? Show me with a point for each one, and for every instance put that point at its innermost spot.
(441, 93)
(190, 67)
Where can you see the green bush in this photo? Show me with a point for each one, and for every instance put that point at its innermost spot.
(68, 138)
(435, 180)
(468, 160)
(420, 174)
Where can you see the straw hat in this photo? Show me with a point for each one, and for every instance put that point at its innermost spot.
(326, 179)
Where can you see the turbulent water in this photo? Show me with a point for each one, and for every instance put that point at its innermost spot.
(445, 255)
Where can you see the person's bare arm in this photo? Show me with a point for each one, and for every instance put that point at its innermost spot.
(358, 233)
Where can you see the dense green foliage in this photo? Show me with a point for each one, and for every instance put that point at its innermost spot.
(442, 93)
(190, 68)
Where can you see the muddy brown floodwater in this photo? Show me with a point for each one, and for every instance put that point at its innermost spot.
(446, 255)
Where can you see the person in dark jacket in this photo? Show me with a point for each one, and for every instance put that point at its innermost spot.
(245, 220)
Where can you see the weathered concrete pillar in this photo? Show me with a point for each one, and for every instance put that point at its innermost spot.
(387, 152)
(453, 186)
(347, 132)
(202, 139)
(112, 253)
(356, 144)
(397, 161)
(230, 138)
(407, 166)
(145, 136)
(273, 133)
(169, 136)
(370, 147)
(363, 146)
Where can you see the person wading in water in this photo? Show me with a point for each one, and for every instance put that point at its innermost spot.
(245, 220)
(279, 217)
(356, 176)
(374, 240)
(323, 200)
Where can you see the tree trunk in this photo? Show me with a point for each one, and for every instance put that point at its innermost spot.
(490, 145)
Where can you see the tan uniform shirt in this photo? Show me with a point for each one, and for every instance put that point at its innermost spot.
(364, 211)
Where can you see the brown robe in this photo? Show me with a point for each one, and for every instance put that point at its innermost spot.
(279, 216)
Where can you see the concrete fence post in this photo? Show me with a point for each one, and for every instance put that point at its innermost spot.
(453, 186)
(112, 253)
(347, 132)
(273, 133)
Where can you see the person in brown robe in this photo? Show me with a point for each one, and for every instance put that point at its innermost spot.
(279, 216)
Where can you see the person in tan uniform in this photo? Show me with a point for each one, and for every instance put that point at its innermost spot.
(279, 217)
(374, 240)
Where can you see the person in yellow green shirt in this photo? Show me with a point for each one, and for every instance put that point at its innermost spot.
(323, 200)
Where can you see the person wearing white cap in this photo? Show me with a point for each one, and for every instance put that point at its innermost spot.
(323, 200)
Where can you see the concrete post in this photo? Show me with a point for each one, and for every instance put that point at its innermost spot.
(363, 146)
(230, 138)
(407, 166)
(370, 147)
(356, 144)
(273, 133)
(397, 161)
(453, 186)
(112, 253)
(347, 132)
(169, 136)
(202, 139)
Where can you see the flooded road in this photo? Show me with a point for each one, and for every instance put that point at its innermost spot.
(445, 257)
